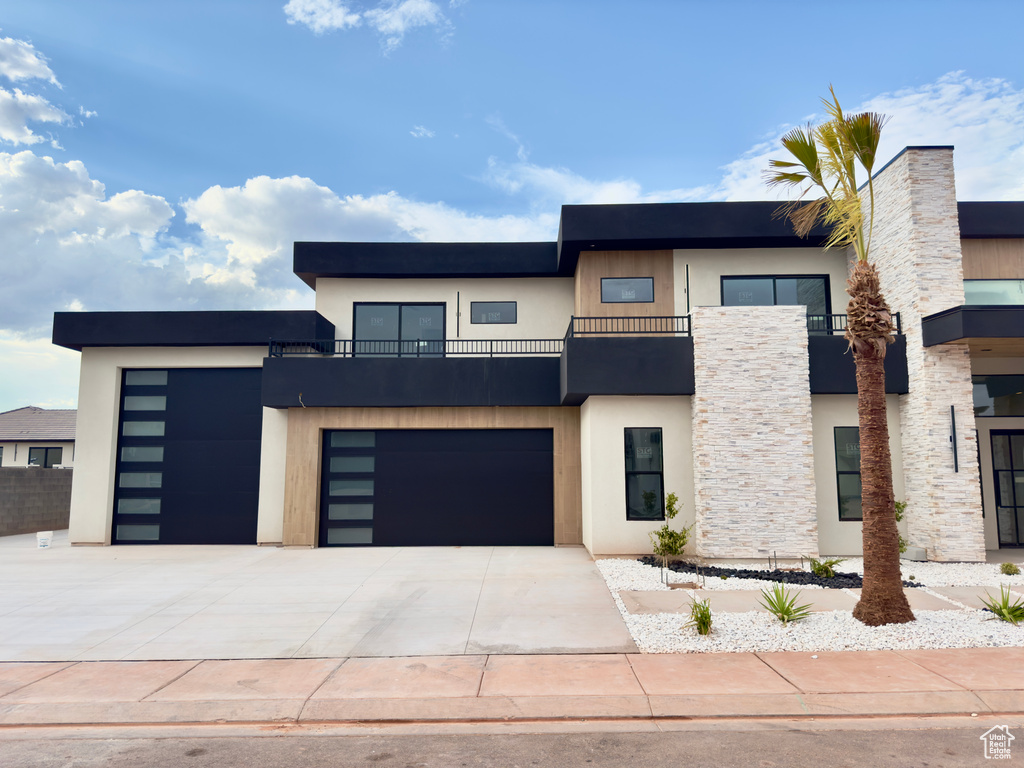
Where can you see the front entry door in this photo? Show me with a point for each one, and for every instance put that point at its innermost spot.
(1008, 474)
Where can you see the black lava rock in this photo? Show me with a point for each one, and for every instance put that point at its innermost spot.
(797, 578)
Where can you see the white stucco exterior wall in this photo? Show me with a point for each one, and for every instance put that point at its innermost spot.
(707, 267)
(603, 421)
(273, 456)
(844, 537)
(15, 453)
(543, 305)
(99, 395)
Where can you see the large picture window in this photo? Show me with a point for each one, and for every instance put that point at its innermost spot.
(492, 312)
(627, 290)
(399, 330)
(998, 395)
(645, 486)
(848, 472)
(811, 291)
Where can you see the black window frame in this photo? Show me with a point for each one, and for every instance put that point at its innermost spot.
(660, 473)
(840, 472)
(474, 321)
(398, 342)
(625, 301)
(775, 289)
(47, 463)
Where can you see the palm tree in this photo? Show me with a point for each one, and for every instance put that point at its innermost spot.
(825, 162)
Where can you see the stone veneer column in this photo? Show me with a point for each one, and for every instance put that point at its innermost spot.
(916, 249)
(753, 460)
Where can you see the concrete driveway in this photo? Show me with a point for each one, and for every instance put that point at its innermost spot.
(233, 602)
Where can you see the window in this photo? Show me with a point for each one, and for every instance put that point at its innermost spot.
(991, 292)
(645, 487)
(848, 472)
(399, 330)
(45, 457)
(1, 455)
(998, 395)
(492, 312)
(810, 291)
(627, 290)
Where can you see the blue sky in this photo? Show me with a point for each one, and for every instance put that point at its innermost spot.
(166, 155)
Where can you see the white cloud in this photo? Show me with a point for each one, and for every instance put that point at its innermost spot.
(982, 119)
(20, 61)
(391, 19)
(321, 15)
(17, 109)
(421, 132)
(394, 19)
(47, 376)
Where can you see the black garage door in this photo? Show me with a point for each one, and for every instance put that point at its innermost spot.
(188, 456)
(464, 487)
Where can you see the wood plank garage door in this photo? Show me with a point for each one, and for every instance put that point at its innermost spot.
(459, 487)
(188, 456)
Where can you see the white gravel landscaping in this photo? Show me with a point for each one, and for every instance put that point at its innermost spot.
(824, 631)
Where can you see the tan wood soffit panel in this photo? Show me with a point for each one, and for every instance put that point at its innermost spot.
(593, 265)
(993, 259)
(305, 436)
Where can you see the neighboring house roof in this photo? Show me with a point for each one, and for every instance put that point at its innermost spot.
(32, 423)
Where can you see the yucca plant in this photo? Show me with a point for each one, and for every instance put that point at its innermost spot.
(825, 161)
(1003, 608)
(826, 567)
(700, 616)
(780, 604)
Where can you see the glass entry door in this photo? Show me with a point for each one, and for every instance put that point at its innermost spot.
(1008, 472)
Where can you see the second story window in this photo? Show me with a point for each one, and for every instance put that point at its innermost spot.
(399, 330)
(811, 291)
(492, 312)
(627, 290)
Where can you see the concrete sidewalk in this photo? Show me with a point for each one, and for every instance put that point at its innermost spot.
(515, 688)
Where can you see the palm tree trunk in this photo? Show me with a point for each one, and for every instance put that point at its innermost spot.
(869, 331)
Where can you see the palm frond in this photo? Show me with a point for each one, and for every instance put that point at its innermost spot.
(827, 157)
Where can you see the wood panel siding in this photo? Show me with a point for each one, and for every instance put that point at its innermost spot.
(305, 436)
(593, 265)
(999, 259)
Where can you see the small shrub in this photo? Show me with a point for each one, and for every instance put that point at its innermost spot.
(911, 577)
(901, 507)
(780, 604)
(1003, 608)
(825, 568)
(666, 542)
(724, 577)
(700, 616)
(1009, 569)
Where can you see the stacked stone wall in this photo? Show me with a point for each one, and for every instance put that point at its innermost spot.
(34, 499)
(916, 248)
(753, 457)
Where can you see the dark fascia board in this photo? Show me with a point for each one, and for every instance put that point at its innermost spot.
(76, 330)
(991, 219)
(655, 226)
(423, 260)
(973, 322)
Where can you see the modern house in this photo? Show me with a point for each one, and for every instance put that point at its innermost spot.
(554, 393)
(37, 437)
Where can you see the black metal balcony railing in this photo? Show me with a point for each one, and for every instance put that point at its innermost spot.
(664, 324)
(836, 324)
(668, 325)
(416, 348)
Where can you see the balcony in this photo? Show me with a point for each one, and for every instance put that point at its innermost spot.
(596, 356)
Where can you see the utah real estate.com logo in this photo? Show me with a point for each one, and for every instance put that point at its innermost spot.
(997, 742)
